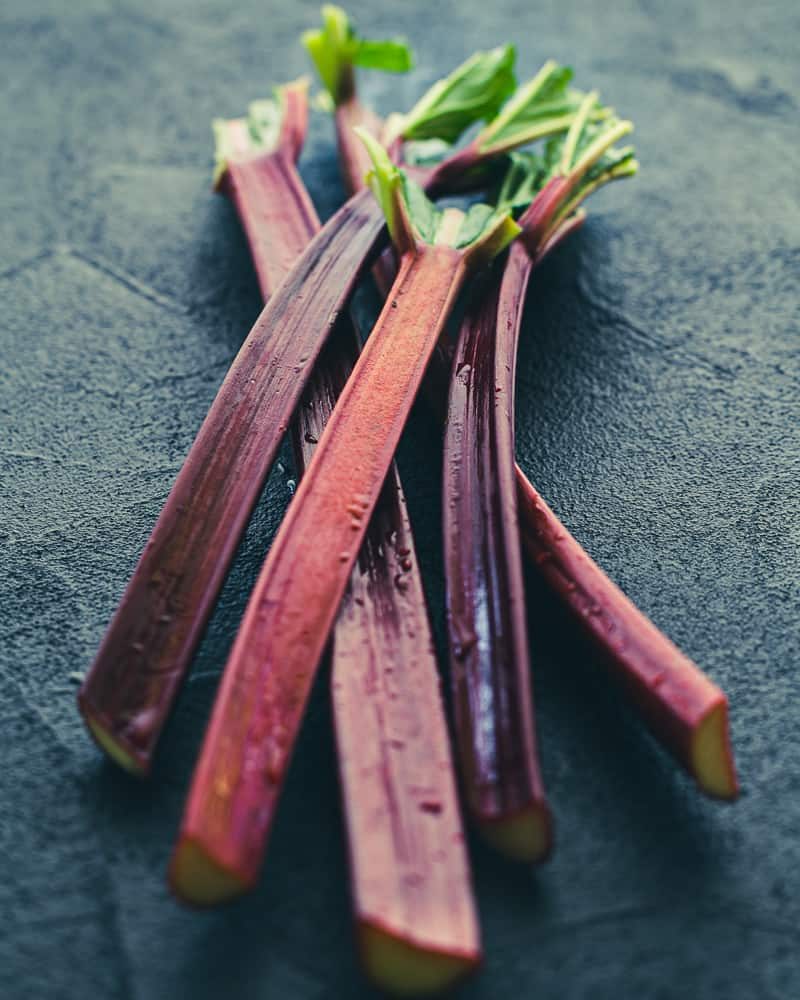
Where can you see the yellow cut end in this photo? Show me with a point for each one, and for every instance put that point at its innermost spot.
(111, 748)
(405, 969)
(526, 837)
(711, 756)
(199, 881)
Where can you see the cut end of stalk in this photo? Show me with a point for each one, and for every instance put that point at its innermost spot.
(711, 755)
(526, 837)
(112, 748)
(404, 968)
(198, 880)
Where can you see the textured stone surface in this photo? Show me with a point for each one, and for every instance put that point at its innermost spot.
(658, 412)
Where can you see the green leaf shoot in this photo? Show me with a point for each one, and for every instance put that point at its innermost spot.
(473, 92)
(336, 48)
(412, 218)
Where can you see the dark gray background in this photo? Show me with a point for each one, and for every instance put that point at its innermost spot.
(658, 413)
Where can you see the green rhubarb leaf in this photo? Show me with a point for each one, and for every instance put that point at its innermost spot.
(524, 178)
(423, 213)
(336, 47)
(543, 106)
(413, 218)
(488, 234)
(392, 55)
(585, 158)
(475, 221)
(474, 91)
(587, 153)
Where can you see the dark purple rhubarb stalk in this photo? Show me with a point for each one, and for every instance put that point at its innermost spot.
(411, 881)
(489, 651)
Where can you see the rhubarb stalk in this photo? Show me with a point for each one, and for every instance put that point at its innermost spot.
(271, 667)
(685, 711)
(145, 654)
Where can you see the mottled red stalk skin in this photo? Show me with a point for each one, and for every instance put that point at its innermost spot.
(489, 659)
(146, 652)
(271, 667)
(409, 866)
(669, 691)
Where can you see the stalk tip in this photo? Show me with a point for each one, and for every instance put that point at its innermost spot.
(526, 837)
(111, 746)
(712, 762)
(198, 880)
(402, 968)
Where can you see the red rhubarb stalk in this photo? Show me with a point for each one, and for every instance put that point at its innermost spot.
(409, 870)
(131, 687)
(268, 677)
(685, 711)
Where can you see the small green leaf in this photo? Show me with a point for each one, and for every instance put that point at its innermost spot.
(422, 212)
(542, 106)
(392, 55)
(473, 92)
(523, 180)
(336, 47)
(498, 230)
(475, 221)
(576, 134)
(329, 47)
(584, 159)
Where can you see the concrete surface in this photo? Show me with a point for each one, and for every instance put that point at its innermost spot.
(658, 412)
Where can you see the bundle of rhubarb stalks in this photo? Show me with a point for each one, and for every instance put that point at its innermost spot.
(522, 159)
